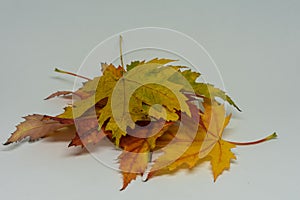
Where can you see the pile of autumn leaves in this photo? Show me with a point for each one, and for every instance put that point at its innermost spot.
(149, 129)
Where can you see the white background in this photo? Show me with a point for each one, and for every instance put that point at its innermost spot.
(255, 45)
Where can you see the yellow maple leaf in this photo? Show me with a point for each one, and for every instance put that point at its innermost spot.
(214, 121)
(199, 147)
(220, 157)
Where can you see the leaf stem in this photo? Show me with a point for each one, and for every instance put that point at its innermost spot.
(121, 52)
(72, 74)
(270, 137)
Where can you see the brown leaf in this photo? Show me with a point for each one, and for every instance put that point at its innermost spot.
(34, 127)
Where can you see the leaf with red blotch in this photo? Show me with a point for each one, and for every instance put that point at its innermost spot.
(34, 127)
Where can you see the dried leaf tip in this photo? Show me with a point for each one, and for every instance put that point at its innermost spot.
(7, 143)
(272, 136)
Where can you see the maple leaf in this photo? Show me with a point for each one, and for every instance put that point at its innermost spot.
(145, 74)
(220, 157)
(184, 150)
(34, 127)
(214, 121)
(136, 150)
(140, 80)
(200, 89)
(210, 129)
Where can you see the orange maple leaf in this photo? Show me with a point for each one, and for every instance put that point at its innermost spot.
(137, 147)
